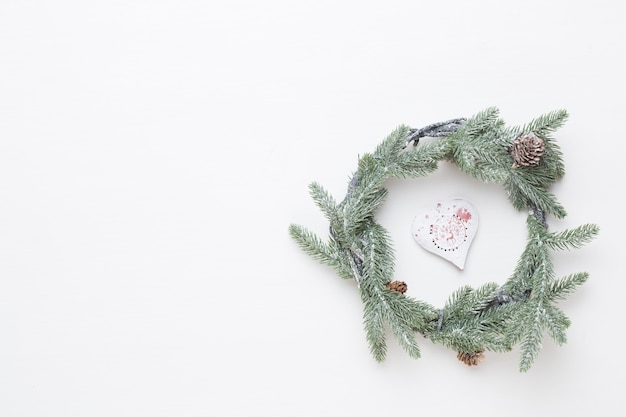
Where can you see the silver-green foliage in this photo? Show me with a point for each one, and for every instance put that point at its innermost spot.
(492, 317)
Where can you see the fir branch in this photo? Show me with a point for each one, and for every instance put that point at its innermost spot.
(402, 330)
(372, 172)
(561, 288)
(540, 176)
(516, 326)
(310, 243)
(493, 322)
(325, 202)
(521, 282)
(378, 255)
(546, 124)
(357, 212)
(482, 297)
(346, 266)
(457, 300)
(556, 323)
(478, 148)
(536, 319)
(483, 162)
(462, 336)
(467, 326)
(366, 195)
(467, 299)
(572, 238)
(327, 254)
(416, 314)
(532, 337)
(402, 314)
(374, 329)
(419, 161)
(479, 123)
(523, 194)
(392, 145)
(544, 272)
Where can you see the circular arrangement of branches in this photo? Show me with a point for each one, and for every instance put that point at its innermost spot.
(494, 317)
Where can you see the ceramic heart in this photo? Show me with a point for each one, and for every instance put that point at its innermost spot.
(447, 230)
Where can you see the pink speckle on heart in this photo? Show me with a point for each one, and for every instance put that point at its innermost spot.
(464, 214)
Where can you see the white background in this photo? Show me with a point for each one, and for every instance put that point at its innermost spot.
(153, 154)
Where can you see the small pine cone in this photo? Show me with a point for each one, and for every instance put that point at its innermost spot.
(471, 359)
(397, 286)
(527, 150)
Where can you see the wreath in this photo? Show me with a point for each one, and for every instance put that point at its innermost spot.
(526, 160)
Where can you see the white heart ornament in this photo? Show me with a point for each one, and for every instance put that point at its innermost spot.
(447, 230)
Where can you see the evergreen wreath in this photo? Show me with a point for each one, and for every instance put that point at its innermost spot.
(526, 160)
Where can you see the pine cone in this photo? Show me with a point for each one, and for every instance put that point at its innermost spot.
(527, 150)
(471, 359)
(397, 286)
